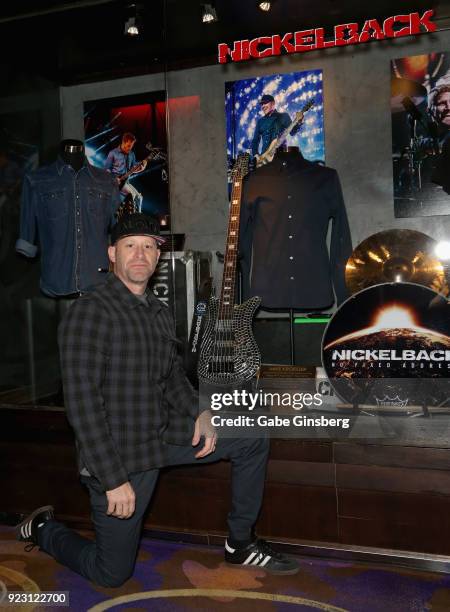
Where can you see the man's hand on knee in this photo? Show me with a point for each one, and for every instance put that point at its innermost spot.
(204, 428)
(121, 501)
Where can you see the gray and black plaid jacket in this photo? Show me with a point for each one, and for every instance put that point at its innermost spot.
(124, 388)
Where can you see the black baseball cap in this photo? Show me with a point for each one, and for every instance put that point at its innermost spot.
(137, 224)
(266, 99)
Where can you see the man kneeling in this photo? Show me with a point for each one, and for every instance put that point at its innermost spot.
(133, 411)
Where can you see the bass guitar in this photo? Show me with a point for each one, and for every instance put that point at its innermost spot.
(229, 353)
(269, 153)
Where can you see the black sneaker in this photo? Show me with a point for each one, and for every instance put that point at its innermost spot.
(26, 531)
(260, 554)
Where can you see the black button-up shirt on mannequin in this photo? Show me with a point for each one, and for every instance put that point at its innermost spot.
(286, 209)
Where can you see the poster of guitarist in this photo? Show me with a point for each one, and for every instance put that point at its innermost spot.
(127, 135)
(121, 162)
(269, 126)
(263, 110)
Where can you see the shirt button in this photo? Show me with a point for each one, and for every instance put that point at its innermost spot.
(78, 212)
(289, 216)
(284, 163)
(291, 278)
(289, 197)
(78, 197)
(289, 257)
(79, 230)
(290, 237)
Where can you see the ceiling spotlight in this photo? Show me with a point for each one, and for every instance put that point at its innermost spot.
(265, 6)
(209, 14)
(131, 28)
(132, 23)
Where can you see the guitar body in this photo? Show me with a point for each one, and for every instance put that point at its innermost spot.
(268, 155)
(121, 180)
(229, 353)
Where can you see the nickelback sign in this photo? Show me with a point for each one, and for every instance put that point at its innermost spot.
(344, 34)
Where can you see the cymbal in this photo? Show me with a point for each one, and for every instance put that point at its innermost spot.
(396, 256)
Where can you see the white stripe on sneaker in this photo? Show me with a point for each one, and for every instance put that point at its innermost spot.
(258, 559)
(228, 548)
(249, 559)
(266, 560)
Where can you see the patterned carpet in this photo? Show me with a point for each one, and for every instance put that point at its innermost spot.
(172, 577)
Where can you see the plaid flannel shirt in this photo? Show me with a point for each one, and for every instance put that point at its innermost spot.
(125, 391)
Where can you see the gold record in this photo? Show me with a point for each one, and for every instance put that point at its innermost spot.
(396, 256)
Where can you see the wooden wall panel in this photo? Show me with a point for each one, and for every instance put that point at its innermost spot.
(394, 479)
(350, 493)
(411, 522)
(394, 456)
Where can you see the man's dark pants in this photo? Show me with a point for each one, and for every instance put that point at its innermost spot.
(110, 559)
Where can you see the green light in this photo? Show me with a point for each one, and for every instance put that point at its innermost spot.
(302, 320)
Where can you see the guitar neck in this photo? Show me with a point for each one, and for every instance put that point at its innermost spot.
(298, 119)
(227, 295)
(285, 133)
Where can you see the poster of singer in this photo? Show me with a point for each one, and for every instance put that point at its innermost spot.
(127, 136)
(420, 108)
(270, 111)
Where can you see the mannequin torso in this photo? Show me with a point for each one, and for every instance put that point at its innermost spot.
(290, 154)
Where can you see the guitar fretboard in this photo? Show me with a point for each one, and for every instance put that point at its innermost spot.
(227, 295)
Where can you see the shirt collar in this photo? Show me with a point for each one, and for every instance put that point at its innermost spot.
(128, 299)
(61, 165)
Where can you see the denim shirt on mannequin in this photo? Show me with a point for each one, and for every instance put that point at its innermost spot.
(67, 216)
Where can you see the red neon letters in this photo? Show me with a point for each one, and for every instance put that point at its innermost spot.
(344, 34)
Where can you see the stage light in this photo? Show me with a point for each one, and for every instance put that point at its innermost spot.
(442, 250)
(265, 6)
(209, 14)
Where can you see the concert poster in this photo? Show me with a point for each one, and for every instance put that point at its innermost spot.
(245, 113)
(143, 116)
(420, 111)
